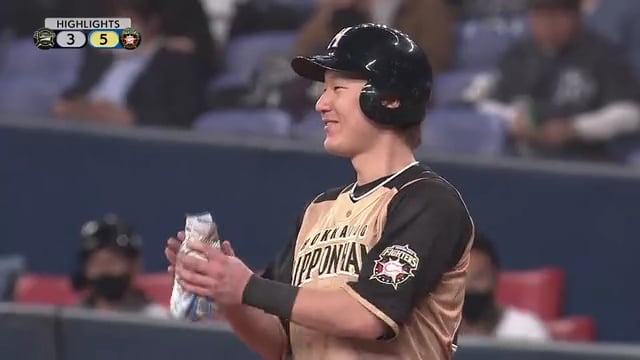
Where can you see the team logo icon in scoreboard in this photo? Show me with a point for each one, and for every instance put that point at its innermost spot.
(102, 33)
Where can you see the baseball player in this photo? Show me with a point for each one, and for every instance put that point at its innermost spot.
(377, 268)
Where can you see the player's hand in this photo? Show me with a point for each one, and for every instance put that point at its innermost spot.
(522, 129)
(220, 277)
(171, 251)
(556, 133)
(107, 112)
(173, 248)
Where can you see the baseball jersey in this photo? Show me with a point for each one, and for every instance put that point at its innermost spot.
(400, 247)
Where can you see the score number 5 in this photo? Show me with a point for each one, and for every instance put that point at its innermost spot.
(104, 39)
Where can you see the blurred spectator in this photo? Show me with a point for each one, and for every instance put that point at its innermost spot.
(482, 316)
(488, 9)
(566, 92)
(161, 83)
(23, 17)
(254, 16)
(186, 27)
(428, 22)
(109, 262)
(617, 20)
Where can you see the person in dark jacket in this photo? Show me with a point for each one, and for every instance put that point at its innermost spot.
(159, 84)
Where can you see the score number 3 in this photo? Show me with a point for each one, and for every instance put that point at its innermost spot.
(71, 39)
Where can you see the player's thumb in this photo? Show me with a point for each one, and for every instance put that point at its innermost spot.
(227, 249)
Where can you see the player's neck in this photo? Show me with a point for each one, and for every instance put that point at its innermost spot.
(380, 162)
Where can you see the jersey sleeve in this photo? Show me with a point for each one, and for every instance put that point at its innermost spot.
(426, 232)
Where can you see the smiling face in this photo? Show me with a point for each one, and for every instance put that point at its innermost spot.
(348, 131)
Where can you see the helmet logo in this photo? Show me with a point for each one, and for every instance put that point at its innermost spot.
(336, 39)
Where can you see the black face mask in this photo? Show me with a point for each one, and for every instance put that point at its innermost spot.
(110, 287)
(477, 304)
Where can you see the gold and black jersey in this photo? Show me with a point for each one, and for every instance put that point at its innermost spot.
(400, 247)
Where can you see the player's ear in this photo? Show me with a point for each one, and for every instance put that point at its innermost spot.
(391, 103)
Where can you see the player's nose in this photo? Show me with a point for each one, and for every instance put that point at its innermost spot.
(323, 104)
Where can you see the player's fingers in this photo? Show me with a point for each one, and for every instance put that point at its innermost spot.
(215, 254)
(170, 255)
(172, 272)
(227, 249)
(193, 263)
(173, 244)
(197, 290)
(199, 247)
(192, 278)
(180, 236)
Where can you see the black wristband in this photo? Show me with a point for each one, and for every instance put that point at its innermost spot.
(273, 297)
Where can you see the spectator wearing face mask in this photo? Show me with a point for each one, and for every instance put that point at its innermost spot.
(109, 262)
(482, 315)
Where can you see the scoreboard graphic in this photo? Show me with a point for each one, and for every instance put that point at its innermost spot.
(76, 33)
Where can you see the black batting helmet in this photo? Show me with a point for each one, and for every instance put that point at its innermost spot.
(107, 232)
(393, 64)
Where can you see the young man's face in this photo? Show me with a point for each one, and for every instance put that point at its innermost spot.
(554, 29)
(348, 131)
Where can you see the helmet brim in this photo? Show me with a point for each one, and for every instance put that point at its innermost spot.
(314, 67)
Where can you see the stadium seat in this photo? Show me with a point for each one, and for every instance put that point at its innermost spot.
(28, 96)
(246, 53)
(257, 122)
(11, 266)
(633, 158)
(464, 131)
(23, 59)
(540, 291)
(448, 88)
(309, 127)
(481, 43)
(45, 289)
(31, 80)
(157, 286)
(575, 328)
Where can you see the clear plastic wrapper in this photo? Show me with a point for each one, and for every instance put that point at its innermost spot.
(184, 305)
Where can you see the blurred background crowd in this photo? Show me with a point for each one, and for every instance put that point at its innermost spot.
(546, 79)
(518, 79)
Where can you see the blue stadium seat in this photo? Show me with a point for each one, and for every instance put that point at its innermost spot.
(10, 268)
(28, 96)
(246, 53)
(448, 87)
(24, 60)
(633, 158)
(310, 126)
(31, 80)
(481, 43)
(464, 132)
(5, 39)
(258, 122)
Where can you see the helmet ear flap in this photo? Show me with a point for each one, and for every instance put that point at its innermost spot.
(371, 103)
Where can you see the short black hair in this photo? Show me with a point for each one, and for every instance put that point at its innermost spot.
(567, 5)
(484, 245)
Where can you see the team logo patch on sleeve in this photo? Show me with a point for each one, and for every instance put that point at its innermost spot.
(395, 265)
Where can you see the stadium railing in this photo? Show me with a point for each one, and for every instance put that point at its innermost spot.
(46, 333)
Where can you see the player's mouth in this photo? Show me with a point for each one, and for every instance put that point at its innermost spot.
(328, 124)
